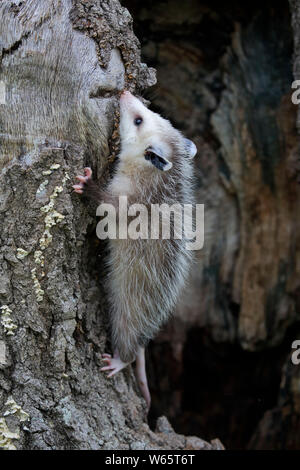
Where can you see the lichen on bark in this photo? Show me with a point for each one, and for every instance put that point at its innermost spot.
(63, 64)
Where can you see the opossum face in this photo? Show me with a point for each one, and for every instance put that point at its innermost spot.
(146, 137)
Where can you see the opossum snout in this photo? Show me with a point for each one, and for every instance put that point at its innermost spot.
(125, 95)
(129, 104)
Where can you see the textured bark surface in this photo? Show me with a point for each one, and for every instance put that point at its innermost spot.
(62, 63)
(224, 76)
(279, 427)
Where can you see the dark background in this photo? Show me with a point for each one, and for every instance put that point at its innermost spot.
(221, 367)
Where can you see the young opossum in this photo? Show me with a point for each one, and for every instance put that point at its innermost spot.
(145, 275)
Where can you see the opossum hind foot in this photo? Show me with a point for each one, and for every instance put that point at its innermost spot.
(79, 188)
(114, 364)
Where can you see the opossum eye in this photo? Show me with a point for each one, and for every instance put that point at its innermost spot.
(138, 121)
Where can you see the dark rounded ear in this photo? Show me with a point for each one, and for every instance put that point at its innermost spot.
(155, 156)
(191, 148)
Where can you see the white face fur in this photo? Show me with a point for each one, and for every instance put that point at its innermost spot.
(145, 136)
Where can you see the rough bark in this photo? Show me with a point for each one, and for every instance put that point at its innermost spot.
(279, 427)
(62, 64)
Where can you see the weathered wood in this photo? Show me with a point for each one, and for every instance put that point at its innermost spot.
(62, 65)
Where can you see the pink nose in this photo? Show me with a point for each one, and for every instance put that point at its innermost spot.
(125, 94)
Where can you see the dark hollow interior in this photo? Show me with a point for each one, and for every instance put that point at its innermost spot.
(222, 390)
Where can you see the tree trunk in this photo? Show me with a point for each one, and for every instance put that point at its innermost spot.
(279, 427)
(62, 65)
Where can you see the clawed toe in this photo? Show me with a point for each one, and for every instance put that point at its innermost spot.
(113, 364)
(88, 172)
(103, 369)
(79, 188)
(82, 179)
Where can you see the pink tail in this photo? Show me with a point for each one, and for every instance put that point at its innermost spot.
(142, 376)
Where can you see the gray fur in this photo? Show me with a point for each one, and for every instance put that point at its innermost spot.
(147, 276)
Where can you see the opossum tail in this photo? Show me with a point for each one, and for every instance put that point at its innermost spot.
(141, 376)
(126, 342)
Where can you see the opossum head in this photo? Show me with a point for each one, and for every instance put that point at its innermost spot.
(147, 139)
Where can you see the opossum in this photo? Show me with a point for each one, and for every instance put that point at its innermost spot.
(145, 276)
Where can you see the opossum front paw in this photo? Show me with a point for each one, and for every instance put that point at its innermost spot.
(79, 188)
(114, 364)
